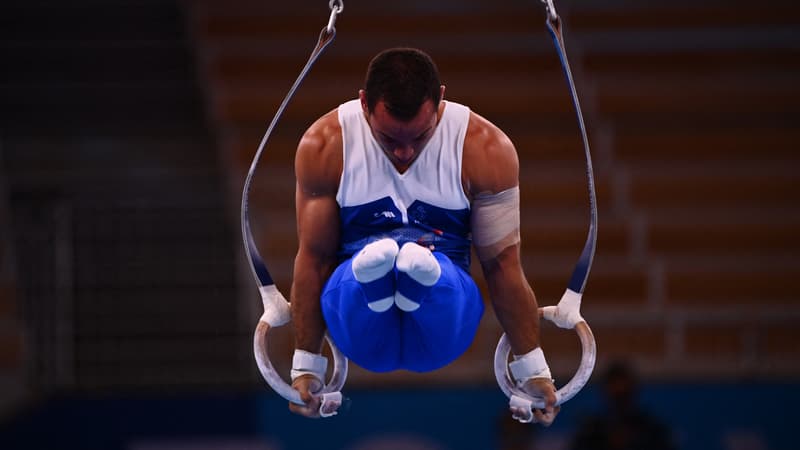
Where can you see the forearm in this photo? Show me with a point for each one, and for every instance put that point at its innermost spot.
(308, 323)
(514, 301)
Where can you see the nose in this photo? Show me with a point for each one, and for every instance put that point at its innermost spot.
(403, 153)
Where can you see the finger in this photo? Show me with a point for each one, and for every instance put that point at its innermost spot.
(310, 410)
(307, 386)
(546, 418)
(305, 394)
(550, 401)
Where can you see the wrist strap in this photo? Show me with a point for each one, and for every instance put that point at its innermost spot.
(530, 365)
(304, 363)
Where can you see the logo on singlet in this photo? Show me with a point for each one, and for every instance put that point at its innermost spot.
(386, 214)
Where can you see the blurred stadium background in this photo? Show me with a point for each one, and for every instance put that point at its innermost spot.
(126, 128)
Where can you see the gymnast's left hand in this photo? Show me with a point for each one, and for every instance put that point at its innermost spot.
(308, 386)
(545, 389)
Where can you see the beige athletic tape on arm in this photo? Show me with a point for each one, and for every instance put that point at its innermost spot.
(495, 222)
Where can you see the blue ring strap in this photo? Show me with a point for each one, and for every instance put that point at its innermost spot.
(257, 265)
(580, 273)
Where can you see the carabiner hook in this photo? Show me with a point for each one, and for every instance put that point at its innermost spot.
(336, 6)
(551, 9)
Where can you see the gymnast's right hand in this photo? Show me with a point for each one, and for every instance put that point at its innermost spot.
(309, 387)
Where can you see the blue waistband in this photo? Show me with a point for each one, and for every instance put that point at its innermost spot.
(454, 247)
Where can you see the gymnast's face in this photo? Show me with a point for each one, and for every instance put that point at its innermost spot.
(402, 141)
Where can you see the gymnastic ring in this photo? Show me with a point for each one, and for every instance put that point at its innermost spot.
(329, 392)
(578, 381)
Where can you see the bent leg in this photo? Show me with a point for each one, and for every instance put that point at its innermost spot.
(418, 270)
(373, 267)
(443, 327)
(370, 339)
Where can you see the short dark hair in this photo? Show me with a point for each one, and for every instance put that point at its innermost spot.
(404, 78)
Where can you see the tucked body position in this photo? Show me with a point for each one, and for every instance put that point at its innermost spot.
(394, 188)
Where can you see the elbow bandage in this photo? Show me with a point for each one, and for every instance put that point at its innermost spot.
(307, 363)
(495, 222)
(530, 365)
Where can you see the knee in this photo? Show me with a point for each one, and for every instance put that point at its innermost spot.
(436, 337)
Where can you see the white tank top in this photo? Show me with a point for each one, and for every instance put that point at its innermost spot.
(376, 200)
(434, 177)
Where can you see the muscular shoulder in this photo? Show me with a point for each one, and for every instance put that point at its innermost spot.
(490, 161)
(318, 162)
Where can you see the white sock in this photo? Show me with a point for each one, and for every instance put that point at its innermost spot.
(404, 303)
(381, 305)
(375, 260)
(419, 263)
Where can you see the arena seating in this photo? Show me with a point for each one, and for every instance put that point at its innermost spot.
(692, 113)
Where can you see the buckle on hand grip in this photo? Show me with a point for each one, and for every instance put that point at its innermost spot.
(519, 403)
(334, 399)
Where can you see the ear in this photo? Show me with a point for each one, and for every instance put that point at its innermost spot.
(362, 97)
(441, 92)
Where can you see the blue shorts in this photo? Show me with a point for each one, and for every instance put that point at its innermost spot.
(421, 341)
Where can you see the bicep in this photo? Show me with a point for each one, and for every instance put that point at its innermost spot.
(317, 224)
(491, 169)
(495, 222)
(317, 169)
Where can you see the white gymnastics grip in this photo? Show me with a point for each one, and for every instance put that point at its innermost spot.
(276, 313)
(520, 398)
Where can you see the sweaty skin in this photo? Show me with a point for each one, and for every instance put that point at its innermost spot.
(490, 165)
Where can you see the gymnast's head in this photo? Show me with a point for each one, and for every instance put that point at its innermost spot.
(400, 100)
(403, 79)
